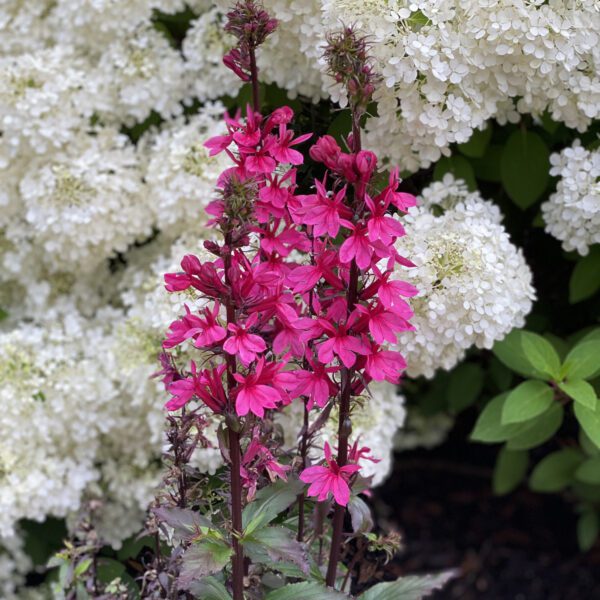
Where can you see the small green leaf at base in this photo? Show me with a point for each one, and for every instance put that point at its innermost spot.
(583, 362)
(466, 382)
(510, 470)
(585, 279)
(555, 471)
(588, 527)
(581, 391)
(528, 400)
(589, 421)
(589, 471)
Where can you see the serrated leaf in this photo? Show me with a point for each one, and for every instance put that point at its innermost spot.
(510, 470)
(360, 515)
(537, 431)
(511, 353)
(478, 142)
(307, 590)
(588, 527)
(581, 391)
(555, 471)
(209, 588)
(279, 544)
(411, 587)
(464, 386)
(525, 167)
(589, 471)
(541, 354)
(527, 401)
(269, 503)
(202, 559)
(459, 167)
(186, 523)
(585, 279)
(589, 421)
(583, 361)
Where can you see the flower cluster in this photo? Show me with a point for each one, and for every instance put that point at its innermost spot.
(474, 284)
(572, 214)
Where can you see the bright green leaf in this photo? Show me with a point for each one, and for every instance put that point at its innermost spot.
(588, 527)
(528, 400)
(589, 421)
(589, 471)
(525, 166)
(269, 503)
(555, 471)
(489, 427)
(459, 167)
(510, 352)
(411, 587)
(537, 431)
(541, 354)
(583, 362)
(464, 387)
(510, 470)
(581, 391)
(585, 279)
(305, 591)
(477, 144)
(587, 445)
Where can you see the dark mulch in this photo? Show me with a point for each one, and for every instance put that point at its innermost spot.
(518, 547)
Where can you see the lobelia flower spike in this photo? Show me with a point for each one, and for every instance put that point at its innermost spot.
(352, 308)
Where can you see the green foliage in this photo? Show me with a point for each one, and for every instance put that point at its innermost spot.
(459, 166)
(203, 558)
(412, 587)
(588, 527)
(464, 386)
(306, 591)
(556, 470)
(510, 470)
(524, 167)
(585, 279)
(528, 400)
(477, 144)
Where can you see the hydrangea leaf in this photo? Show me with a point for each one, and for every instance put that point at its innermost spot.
(510, 470)
(581, 391)
(583, 361)
(588, 527)
(464, 386)
(510, 351)
(541, 354)
(589, 471)
(537, 431)
(528, 400)
(585, 279)
(589, 421)
(460, 168)
(478, 142)
(525, 167)
(555, 471)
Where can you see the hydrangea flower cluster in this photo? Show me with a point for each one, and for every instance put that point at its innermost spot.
(572, 214)
(474, 284)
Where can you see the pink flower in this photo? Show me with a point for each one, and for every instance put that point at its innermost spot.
(380, 225)
(315, 384)
(323, 212)
(253, 394)
(205, 331)
(340, 342)
(329, 479)
(281, 149)
(385, 365)
(245, 345)
(357, 247)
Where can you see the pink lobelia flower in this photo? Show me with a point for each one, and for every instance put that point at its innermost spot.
(329, 478)
(323, 212)
(253, 394)
(205, 331)
(384, 365)
(245, 345)
(357, 247)
(315, 384)
(281, 149)
(340, 342)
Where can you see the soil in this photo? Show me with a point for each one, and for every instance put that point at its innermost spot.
(517, 547)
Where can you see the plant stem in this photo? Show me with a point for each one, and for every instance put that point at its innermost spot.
(236, 516)
(344, 423)
(254, 79)
(303, 451)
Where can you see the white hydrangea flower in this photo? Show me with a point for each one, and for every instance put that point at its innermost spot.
(180, 174)
(14, 565)
(572, 214)
(474, 284)
(376, 418)
(84, 204)
(142, 73)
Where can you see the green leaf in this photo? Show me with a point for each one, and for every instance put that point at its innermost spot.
(464, 386)
(202, 559)
(589, 421)
(525, 167)
(109, 569)
(588, 527)
(537, 431)
(459, 167)
(278, 544)
(269, 503)
(581, 391)
(585, 279)
(555, 471)
(477, 144)
(360, 515)
(501, 375)
(305, 591)
(186, 523)
(411, 587)
(541, 354)
(510, 470)
(489, 427)
(528, 400)
(583, 362)
(589, 471)
(487, 168)
(510, 352)
(340, 126)
(587, 445)
(209, 588)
